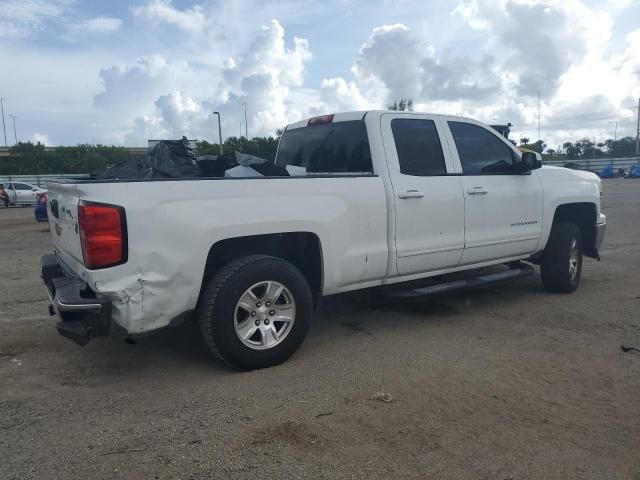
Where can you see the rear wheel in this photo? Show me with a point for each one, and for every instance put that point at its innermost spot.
(561, 265)
(255, 312)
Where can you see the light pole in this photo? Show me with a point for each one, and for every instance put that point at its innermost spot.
(4, 128)
(615, 132)
(246, 127)
(219, 130)
(13, 117)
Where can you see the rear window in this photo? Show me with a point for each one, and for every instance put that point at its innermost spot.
(330, 148)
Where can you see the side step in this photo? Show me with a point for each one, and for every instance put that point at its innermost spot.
(450, 283)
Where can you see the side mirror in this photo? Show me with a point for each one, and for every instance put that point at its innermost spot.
(528, 162)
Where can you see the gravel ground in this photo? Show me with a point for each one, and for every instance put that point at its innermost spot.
(499, 383)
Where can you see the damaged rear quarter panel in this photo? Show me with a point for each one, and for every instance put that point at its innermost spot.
(170, 235)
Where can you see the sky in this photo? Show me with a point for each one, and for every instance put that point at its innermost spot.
(121, 72)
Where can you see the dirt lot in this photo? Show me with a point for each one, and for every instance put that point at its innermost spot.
(499, 383)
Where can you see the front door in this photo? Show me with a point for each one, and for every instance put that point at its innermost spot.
(503, 210)
(429, 206)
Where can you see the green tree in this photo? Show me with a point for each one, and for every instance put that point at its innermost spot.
(538, 146)
(402, 106)
(264, 147)
(27, 158)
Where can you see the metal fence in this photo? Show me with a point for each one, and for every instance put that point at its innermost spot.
(596, 164)
(40, 180)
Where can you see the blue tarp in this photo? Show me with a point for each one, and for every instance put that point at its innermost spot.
(634, 171)
(607, 172)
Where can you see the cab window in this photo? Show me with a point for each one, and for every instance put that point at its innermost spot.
(418, 146)
(481, 152)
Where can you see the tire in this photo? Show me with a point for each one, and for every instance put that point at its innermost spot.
(220, 312)
(560, 270)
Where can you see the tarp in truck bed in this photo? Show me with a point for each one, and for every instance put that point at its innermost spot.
(167, 159)
(176, 159)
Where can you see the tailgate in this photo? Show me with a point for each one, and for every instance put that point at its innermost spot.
(62, 202)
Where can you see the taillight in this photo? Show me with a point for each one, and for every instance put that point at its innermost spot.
(320, 120)
(102, 234)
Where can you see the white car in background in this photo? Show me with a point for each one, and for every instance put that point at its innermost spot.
(21, 193)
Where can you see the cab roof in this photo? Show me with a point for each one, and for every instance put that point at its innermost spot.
(358, 115)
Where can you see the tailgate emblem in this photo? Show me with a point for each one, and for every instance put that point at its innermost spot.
(58, 229)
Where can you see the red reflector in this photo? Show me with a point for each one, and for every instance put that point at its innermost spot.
(320, 120)
(102, 235)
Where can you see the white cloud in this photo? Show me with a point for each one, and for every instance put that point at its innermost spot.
(162, 11)
(134, 86)
(40, 138)
(262, 79)
(20, 18)
(98, 25)
(542, 39)
(91, 27)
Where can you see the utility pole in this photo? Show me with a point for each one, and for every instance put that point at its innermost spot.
(219, 131)
(638, 130)
(615, 132)
(13, 117)
(538, 114)
(3, 126)
(246, 126)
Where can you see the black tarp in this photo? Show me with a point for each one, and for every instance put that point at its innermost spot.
(167, 159)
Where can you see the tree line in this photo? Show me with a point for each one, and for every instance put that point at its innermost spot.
(585, 148)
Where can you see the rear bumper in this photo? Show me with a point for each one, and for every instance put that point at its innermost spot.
(82, 313)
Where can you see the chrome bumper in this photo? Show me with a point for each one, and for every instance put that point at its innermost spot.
(82, 313)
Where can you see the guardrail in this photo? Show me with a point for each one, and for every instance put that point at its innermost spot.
(596, 164)
(40, 180)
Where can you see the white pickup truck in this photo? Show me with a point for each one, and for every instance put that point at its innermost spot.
(366, 199)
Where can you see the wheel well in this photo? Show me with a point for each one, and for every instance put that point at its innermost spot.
(300, 248)
(584, 215)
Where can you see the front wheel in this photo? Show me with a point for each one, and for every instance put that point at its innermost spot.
(255, 312)
(561, 265)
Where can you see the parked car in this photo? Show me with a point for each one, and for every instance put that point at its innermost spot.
(40, 211)
(371, 199)
(21, 193)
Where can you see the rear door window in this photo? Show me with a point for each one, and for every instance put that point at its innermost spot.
(22, 186)
(418, 146)
(329, 148)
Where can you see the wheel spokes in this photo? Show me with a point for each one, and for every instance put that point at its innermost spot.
(247, 329)
(267, 307)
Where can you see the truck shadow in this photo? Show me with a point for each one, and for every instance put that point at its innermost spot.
(338, 318)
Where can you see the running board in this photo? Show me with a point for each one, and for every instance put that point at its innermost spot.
(478, 280)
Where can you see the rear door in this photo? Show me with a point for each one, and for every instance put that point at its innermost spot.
(429, 206)
(503, 210)
(8, 187)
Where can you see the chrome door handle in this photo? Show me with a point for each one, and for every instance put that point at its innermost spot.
(410, 194)
(477, 191)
